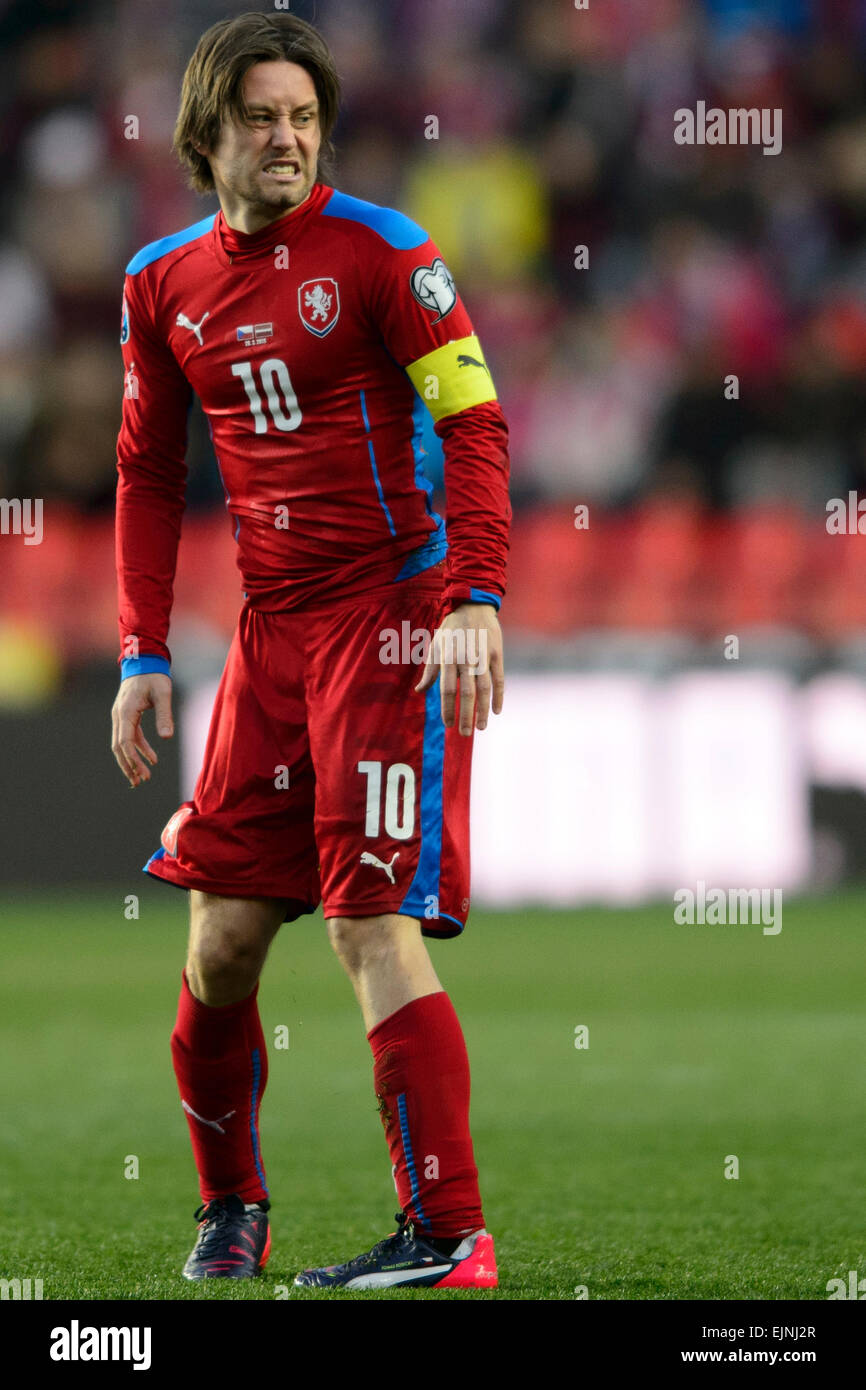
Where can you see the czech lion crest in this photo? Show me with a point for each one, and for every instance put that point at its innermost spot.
(319, 305)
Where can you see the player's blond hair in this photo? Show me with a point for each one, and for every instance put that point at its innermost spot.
(213, 82)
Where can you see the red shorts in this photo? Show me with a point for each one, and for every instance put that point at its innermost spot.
(326, 777)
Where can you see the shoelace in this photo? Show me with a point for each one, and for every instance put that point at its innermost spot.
(217, 1217)
(405, 1228)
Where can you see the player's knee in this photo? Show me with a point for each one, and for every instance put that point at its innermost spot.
(361, 941)
(229, 938)
(224, 958)
(345, 941)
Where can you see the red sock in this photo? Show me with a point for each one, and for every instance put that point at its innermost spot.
(421, 1072)
(221, 1065)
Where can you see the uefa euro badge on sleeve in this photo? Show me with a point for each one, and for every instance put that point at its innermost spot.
(433, 286)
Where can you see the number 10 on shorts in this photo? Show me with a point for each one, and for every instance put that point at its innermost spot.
(399, 800)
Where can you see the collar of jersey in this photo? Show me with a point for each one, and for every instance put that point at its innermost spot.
(237, 248)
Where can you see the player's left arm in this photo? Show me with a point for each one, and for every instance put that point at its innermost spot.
(427, 329)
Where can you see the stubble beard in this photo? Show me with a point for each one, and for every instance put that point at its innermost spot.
(277, 201)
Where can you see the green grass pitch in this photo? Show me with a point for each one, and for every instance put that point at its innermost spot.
(601, 1167)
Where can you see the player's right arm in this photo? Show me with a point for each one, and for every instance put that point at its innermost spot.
(151, 454)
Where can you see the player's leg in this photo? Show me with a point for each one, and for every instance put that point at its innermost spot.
(218, 1048)
(420, 1071)
(392, 821)
(421, 1076)
(220, 1061)
(244, 847)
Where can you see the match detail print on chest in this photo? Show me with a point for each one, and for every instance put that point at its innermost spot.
(223, 349)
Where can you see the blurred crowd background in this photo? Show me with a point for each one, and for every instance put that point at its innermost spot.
(556, 130)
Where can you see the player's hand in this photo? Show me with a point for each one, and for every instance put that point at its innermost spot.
(467, 650)
(131, 749)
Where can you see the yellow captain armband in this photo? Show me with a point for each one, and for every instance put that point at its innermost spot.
(452, 378)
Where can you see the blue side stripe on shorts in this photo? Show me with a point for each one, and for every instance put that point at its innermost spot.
(426, 881)
(410, 1160)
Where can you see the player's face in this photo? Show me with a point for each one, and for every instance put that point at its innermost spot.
(268, 166)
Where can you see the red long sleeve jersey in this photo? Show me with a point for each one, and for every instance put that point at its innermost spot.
(314, 345)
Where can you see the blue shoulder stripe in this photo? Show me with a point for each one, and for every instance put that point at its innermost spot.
(155, 249)
(394, 227)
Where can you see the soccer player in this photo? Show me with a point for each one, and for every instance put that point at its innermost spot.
(315, 329)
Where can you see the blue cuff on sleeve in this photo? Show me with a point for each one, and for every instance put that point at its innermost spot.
(482, 596)
(143, 665)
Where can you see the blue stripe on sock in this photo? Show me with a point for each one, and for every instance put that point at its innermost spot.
(257, 1071)
(410, 1160)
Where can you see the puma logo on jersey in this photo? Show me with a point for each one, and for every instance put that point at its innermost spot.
(183, 322)
(211, 1124)
(368, 858)
(464, 360)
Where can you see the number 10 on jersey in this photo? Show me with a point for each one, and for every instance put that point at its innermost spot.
(276, 386)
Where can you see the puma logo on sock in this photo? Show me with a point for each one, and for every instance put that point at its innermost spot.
(212, 1124)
